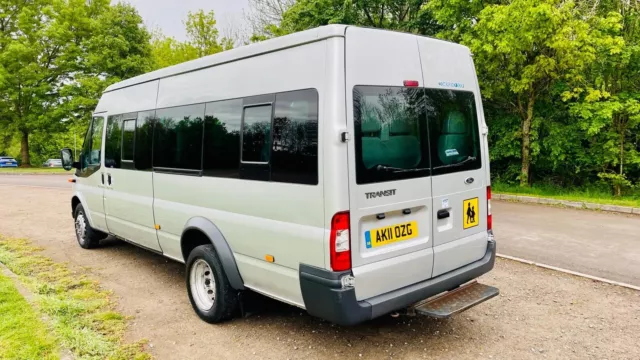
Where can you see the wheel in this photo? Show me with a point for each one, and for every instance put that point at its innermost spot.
(211, 295)
(87, 237)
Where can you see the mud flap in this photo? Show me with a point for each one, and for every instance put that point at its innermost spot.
(455, 301)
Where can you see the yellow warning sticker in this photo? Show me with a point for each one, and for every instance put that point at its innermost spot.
(471, 213)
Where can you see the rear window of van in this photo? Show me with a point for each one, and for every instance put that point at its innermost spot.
(403, 133)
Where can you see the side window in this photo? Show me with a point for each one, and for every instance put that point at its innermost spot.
(294, 158)
(96, 141)
(144, 140)
(128, 139)
(256, 134)
(178, 138)
(453, 131)
(113, 145)
(85, 155)
(222, 139)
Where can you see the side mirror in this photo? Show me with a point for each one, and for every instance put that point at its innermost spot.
(67, 159)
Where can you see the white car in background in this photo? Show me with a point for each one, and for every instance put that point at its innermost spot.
(54, 163)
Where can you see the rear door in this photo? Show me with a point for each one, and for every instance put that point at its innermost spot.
(459, 180)
(389, 175)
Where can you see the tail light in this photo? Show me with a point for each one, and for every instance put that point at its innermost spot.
(340, 242)
(489, 217)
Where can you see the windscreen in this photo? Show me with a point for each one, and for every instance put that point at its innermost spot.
(404, 133)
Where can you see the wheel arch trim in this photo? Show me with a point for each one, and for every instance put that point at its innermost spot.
(220, 244)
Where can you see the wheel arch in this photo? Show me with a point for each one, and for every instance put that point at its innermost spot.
(77, 199)
(200, 231)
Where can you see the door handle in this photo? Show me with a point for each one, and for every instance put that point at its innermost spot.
(443, 214)
(102, 175)
(109, 179)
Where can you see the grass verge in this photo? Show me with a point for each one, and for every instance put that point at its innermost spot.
(585, 195)
(83, 316)
(22, 335)
(33, 171)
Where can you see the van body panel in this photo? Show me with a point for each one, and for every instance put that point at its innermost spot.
(450, 255)
(449, 66)
(373, 279)
(129, 206)
(297, 68)
(138, 98)
(334, 151)
(366, 64)
(282, 283)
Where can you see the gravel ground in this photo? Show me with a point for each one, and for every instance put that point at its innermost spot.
(539, 314)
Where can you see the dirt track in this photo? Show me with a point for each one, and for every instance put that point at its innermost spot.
(540, 313)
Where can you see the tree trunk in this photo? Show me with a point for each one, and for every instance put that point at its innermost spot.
(618, 187)
(24, 150)
(526, 142)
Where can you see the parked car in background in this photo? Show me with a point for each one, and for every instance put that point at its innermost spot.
(8, 161)
(54, 163)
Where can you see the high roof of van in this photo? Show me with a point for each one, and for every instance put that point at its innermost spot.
(270, 45)
(267, 46)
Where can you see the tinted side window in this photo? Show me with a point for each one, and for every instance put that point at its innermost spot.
(222, 138)
(144, 140)
(177, 140)
(391, 138)
(128, 138)
(453, 131)
(295, 138)
(86, 148)
(96, 141)
(113, 145)
(256, 134)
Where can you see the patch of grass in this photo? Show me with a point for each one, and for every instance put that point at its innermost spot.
(83, 315)
(592, 195)
(33, 171)
(22, 335)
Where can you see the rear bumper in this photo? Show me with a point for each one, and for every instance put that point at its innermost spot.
(325, 298)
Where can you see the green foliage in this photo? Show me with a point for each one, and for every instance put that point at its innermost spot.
(22, 334)
(82, 316)
(560, 79)
(203, 40)
(56, 57)
(402, 15)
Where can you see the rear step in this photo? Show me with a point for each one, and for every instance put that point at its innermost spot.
(456, 301)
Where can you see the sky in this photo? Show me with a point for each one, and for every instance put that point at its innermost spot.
(168, 15)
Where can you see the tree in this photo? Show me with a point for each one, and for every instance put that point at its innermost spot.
(403, 15)
(521, 50)
(56, 57)
(202, 40)
(607, 105)
(203, 34)
(265, 15)
(167, 51)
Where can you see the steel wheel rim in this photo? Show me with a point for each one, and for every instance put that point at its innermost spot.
(203, 285)
(81, 227)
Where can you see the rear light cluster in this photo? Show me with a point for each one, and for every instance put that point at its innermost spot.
(340, 242)
(489, 216)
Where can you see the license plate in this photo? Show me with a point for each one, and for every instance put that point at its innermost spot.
(470, 213)
(391, 234)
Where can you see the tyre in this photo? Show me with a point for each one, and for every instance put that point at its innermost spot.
(211, 295)
(87, 237)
